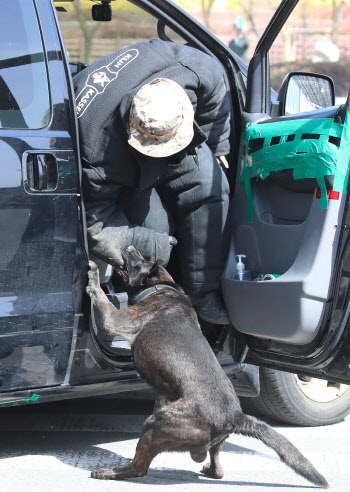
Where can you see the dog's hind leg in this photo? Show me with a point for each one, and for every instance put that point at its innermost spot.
(214, 468)
(147, 448)
(168, 433)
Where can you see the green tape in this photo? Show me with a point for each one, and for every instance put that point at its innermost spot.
(271, 276)
(324, 197)
(308, 157)
(250, 198)
(23, 400)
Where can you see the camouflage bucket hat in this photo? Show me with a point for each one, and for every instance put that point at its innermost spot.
(161, 119)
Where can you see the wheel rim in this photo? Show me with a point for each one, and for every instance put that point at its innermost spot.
(320, 390)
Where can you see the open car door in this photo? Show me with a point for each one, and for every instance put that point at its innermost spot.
(290, 218)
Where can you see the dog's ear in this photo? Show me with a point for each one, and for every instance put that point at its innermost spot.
(154, 273)
(158, 274)
(142, 272)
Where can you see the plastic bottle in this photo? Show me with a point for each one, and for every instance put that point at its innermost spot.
(242, 273)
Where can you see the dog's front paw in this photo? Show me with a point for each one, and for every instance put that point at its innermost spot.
(93, 272)
(94, 279)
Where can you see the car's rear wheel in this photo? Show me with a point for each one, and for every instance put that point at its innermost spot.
(299, 400)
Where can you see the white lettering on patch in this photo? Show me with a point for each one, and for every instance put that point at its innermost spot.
(100, 78)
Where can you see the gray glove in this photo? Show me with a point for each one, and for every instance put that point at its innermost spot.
(152, 245)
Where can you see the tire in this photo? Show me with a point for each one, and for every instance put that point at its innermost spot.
(293, 399)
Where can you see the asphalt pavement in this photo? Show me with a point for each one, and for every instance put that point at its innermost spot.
(53, 448)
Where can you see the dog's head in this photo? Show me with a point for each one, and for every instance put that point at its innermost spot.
(139, 272)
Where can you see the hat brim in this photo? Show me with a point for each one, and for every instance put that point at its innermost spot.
(163, 148)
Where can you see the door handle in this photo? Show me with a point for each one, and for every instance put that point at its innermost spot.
(42, 172)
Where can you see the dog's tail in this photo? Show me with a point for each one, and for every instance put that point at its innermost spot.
(252, 427)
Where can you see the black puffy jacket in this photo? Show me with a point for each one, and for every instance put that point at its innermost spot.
(104, 92)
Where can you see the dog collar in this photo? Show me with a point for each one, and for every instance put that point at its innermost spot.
(149, 291)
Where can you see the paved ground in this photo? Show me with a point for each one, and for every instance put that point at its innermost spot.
(52, 448)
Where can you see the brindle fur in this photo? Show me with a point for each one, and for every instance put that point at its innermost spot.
(196, 407)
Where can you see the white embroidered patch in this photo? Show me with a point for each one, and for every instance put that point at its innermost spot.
(98, 80)
(101, 78)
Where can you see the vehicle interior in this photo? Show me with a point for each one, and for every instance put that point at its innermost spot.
(291, 237)
(294, 231)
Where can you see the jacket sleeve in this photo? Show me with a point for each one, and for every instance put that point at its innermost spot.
(109, 231)
(213, 114)
(212, 105)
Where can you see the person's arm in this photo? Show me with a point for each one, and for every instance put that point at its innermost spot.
(212, 105)
(213, 116)
(109, 231)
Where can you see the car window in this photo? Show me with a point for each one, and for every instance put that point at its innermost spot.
(24, 101)
(312, 40)
(315, 38)
(237, 23)
(87, 41)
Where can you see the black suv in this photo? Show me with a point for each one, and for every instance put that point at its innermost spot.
(290, 218)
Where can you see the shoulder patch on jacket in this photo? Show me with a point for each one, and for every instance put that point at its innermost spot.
(100, 78)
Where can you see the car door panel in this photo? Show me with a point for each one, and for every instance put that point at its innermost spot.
(289, 221)
(283, 230)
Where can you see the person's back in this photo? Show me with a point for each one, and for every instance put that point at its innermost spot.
(112, 82)
(114, 167)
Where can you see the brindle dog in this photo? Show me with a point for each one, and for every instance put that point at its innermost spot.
(196, 407)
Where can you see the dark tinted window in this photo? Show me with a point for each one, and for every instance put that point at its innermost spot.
(24, 95)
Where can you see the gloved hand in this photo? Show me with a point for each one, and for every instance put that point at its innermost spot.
(152, 245)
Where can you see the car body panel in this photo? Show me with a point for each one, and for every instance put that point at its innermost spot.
(39, 214)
